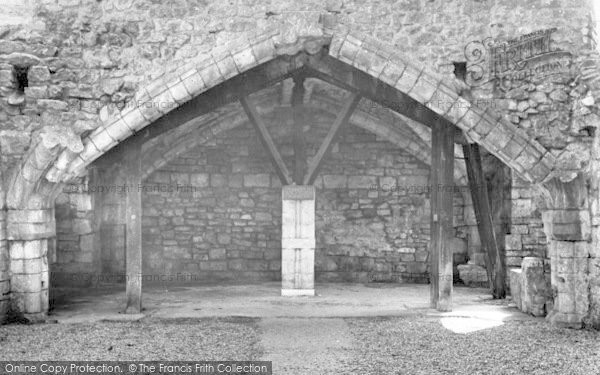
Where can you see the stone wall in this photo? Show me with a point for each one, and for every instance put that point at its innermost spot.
(4, 268)
(74, 62)
(214, 212)
(67, 66)
(75, 235)
(526, 238)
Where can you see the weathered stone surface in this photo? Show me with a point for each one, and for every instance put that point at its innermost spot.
(530, 287)
(109, 67)
(473, 275)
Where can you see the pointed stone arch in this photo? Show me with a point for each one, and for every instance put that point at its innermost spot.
(57, 154)
(58, 161)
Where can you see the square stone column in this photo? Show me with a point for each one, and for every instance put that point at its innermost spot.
(298, 241)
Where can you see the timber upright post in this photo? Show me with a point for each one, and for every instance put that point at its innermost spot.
(442, 191)
(133, 223)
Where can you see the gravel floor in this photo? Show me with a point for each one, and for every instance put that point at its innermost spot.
(412, 344)
(421, 345)
(174, 339)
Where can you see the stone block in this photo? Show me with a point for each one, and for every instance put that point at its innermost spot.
(82, 226)
(257, 180)
(193, 82)
(30, 216)
(210, 74)
(513, 242)
(4, 290)
(423, 89)
(28, 249)
(199, 180)
(530, 287)
(408, 79)
(522, 207)
(26, 266)
(26, 283)
(179, 92)
(38, 74)
(362, 182)
(81, 202)
(514, 277)
(387, 183)
(244, 60)
(458, 245)
(473, 275)
(223, 239)
(86, 243)
(218, 180)
(217, 254)
(335, 181)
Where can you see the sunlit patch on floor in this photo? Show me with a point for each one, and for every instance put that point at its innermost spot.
(473, 319)
(468, 324)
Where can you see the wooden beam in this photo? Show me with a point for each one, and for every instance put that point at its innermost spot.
(341, 119)
(345, 76)
(267, 141)
(442, 195)
(133, 242)
(251, 81)
(298, 133)
(485, 224)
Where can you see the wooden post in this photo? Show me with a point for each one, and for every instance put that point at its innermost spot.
(133, 222)
(483, 213)
(299, 122)
(442, 191)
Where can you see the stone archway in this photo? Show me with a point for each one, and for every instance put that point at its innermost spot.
(369, 66)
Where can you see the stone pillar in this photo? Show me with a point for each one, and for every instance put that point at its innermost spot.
(568, 233)
(29, 232)
(298, 241)
(567, 226)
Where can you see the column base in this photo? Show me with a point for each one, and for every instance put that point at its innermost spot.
(297, 292)
(41, 317)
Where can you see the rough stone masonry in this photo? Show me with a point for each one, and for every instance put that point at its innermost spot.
(77, 78)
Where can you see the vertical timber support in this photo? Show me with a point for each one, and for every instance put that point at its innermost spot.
(299, 122)
(483, 213)
(298, 241)
(442, 181)
(133, 220)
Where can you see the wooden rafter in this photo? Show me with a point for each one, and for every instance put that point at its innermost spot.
(340, 74)
(256, 79)
(342, 118)
(267, 141)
